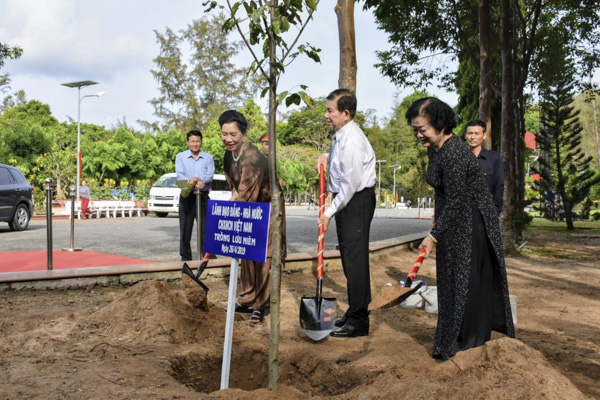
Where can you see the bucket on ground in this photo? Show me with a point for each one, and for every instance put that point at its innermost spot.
(430, 297)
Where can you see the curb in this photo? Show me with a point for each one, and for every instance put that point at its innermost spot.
(217, 270)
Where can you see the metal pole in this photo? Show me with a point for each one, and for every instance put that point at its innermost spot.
(199, 225)
(394, 193)
(379, 183)
(49, 182)
(73, 202)
(78, 141)
(396, 168)
(229, 323)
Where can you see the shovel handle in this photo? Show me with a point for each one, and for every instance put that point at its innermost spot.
(207, 257)
(321, 242)
(413, 271)
(203, 265)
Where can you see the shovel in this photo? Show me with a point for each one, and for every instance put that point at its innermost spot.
(199, 251)
(317, 313)
(195, 290)
(392, 295)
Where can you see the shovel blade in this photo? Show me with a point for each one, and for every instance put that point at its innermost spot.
(392, 295)
(195, 291)
(317, 316)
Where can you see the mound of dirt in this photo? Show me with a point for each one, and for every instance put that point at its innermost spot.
(151, 311)
(148, 341)
(503, 368)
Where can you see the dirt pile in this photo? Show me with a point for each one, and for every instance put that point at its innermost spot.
(151, 311)
(147, 341)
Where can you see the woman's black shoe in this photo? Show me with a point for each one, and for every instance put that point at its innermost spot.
(242, 309)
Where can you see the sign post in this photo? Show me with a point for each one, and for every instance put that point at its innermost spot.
(239, 230)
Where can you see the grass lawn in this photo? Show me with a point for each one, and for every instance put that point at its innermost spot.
(552, 239)
(543, 224)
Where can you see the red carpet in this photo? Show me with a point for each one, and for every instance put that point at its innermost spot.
(15, 261)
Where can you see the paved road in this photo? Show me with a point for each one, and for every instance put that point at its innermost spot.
(157, 239)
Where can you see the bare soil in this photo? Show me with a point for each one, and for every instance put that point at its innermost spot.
(148, 342)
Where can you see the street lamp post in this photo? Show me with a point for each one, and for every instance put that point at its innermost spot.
(79, 85)
(533, 159)
(396, 168)
(379, 184)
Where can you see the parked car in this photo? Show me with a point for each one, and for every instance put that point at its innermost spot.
(164, 194)
(16, 198)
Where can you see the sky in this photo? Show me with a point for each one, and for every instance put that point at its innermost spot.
(113, 43)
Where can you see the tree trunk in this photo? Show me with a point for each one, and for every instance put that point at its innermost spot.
(485, 64)
(519, 183)
(276, 216)
(348, 67)
(596, 134)
(508, 125)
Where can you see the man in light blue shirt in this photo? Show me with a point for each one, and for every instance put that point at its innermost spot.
(193, 166)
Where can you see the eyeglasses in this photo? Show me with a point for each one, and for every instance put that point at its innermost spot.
(265, 141)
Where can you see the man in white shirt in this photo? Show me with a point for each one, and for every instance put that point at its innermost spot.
(351, 179)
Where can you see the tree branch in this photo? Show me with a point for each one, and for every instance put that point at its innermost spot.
(237, 25)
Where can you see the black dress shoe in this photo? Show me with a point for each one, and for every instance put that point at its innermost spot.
(339, 322)
(349, 331)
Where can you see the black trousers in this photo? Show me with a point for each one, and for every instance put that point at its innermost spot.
(476, 327)
(187, 214)
(353, 224)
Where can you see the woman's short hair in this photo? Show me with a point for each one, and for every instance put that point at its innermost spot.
(345, 100)
(234, 116)
(440, 115)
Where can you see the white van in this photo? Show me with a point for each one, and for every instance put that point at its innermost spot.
(164, 194)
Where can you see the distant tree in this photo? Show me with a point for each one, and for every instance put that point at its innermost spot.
(293, 174)
(9, 53)
(308, 127)
(518, 31)
(193, 94)
(565, 168)
(18, 98)
(169, 144)
(587, 102)
(25, 132)
(297, 156)
(60, 162)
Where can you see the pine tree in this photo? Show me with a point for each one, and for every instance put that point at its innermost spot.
(194, 93)
(565, 170)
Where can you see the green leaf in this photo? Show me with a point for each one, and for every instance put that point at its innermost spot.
(276, 27)
(306, 98)
(294, 98)
(311, 4)
(282, 96)
(228, 25)
(285, 25)
(314, 55)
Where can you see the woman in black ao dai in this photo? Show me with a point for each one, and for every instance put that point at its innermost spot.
(471, 275)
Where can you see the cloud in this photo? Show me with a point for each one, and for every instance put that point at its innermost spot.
(59, 39)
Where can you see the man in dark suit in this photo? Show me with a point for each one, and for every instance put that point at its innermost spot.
(489, 161)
